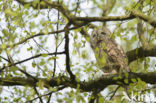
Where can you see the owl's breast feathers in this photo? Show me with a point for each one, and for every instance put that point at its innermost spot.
(116, 54)
(109, 55)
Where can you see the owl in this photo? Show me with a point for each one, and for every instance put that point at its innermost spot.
(109, 55)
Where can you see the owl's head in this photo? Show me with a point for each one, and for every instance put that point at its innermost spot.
(99, 35)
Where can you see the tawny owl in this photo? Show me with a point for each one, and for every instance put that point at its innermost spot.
(109, 55)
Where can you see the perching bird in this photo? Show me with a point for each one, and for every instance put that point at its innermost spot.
(109, 55)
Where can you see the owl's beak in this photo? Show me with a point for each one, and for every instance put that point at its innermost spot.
(100, 38)
(99, 41)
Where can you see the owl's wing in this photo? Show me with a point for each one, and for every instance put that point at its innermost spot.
(117, 54)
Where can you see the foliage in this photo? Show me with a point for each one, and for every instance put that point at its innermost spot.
(34, 45)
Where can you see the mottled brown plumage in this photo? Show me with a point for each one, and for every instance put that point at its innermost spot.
(109, 55)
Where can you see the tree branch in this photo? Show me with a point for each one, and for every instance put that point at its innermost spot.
(140, 53)
(132, 55)
(60, 7)
(146, 18)
(142, 38)
(36, 35)
(114, 92)
(65, 11)
(106, 18)
(134, 14)
(59, 88)
(72, 76)
(33, 57)
(85, 86)
(40, 98)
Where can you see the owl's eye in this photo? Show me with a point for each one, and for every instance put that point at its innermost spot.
(103, 33)
(94, 35)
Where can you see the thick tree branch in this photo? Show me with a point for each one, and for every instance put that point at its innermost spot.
(49, 4)
(76, 20)
(134, 14)
(39, 4)
(65, 11)
(142, 38)
(140, 53)
(141, 31)
(106, 18)
(60, 7)
(85, 86)
(146, 18)
(132, 55)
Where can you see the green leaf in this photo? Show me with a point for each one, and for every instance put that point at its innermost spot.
(5, 32)
(115, 78)
(44, 55)
(85, 94)
(13, 68)
(10, 12)
(33, 65)
(27, 5)
(134, 38)
(52, 89)
(40, 84)
(42, 63)
(84, 55)
(42, 3)
(126, 81)
(126, 75)
(101, 100)
(3, 46)
(46, 30)
(35, 2)
(133, 80)
(30, 48)
(58, 81)
(74, 52)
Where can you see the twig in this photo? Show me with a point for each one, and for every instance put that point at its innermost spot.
(4, 58)
(40, 98)
(29, 59)
(56, 38)
(72, 76)
(40, 34)
(60, 88)
(114, 92)
(95, 95)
